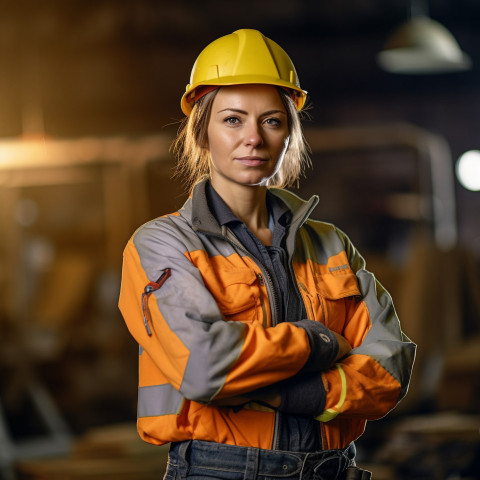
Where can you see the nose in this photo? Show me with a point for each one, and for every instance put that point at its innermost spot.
(253, 135)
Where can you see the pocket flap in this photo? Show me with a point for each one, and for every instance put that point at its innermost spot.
(238, 276)
(337, 284)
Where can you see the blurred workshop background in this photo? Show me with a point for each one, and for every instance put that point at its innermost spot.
(89, 103)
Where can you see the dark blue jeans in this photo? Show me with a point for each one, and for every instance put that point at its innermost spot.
(198, 460)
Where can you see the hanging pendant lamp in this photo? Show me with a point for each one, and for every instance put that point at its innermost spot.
(422, 46)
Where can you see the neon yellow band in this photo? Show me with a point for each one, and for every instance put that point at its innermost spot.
(331, 413)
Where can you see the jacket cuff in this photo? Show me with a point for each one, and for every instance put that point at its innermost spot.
(303, 394)
(323, 346)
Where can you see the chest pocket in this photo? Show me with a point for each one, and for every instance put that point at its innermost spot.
(325, 296)
(237, 294)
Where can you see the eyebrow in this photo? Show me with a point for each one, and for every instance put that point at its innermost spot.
(236, 110)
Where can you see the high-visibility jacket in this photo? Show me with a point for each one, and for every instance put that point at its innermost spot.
(202, 311)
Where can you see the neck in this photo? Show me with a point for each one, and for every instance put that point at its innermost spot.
(249, 204)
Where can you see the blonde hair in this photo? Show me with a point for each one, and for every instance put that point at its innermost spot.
(193, 156)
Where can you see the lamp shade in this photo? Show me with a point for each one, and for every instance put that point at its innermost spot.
(420, 46)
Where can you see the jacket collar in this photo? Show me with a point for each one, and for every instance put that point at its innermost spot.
(198, 214)
(301, 209)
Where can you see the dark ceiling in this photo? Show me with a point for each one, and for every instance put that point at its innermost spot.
(87, 64)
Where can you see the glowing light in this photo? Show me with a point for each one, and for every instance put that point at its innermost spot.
(468, 170)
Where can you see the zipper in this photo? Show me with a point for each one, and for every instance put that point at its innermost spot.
(319, 426)
(324, 310)
(276, 431)
(264, 279)
(307, 301)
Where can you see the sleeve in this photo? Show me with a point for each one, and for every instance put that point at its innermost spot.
(180, 326)
(374, 376)
(303, 394)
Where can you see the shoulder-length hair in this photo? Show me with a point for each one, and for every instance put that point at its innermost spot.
(193, 155)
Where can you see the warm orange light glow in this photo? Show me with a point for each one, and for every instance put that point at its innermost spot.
(37, 152)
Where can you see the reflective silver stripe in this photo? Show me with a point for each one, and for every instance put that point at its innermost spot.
(158, 400)
(385, 341)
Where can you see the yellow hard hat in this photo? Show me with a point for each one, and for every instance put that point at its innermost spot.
(243, 57)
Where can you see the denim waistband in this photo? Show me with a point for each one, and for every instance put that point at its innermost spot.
(250, 463)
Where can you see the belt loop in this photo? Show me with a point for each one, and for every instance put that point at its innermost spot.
(183, 464)
(251, 467)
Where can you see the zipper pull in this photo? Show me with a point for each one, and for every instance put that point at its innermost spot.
(150, 288)
(261, 280)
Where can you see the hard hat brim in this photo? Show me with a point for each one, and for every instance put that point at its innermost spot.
(297, 94)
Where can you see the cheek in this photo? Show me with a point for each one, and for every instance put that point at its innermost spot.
(217, 152)
(219, 143)
(213, 148)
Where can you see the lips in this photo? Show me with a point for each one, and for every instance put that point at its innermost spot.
(251, 161)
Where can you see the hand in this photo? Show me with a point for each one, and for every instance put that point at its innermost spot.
(343, 346)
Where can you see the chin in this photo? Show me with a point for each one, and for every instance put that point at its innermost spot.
(256, 183)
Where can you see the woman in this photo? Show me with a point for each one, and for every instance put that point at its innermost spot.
(265, 345)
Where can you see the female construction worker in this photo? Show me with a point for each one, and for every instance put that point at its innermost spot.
(265, 345)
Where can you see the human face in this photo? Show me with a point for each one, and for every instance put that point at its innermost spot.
(247, 135)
